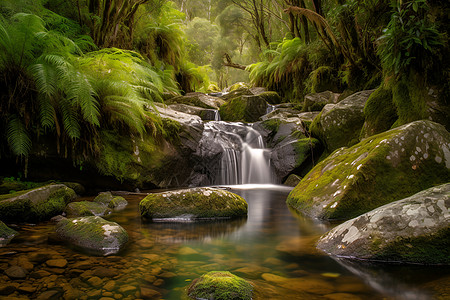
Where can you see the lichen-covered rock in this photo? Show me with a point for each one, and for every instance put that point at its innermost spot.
(339, 125)
(6, 234)
(35, 205)
(383, 168)
(414, 230)
(113, 202)
(93, 234)
(86, 208)
(220, 285)
(316, 101)
(193, 204)
(245, 108)
(197, 99)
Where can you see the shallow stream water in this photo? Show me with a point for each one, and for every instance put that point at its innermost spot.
(274, 248)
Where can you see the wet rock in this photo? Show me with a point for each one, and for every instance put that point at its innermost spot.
(220, 286)
(77, 187)
(381, 169)
(113, 202)
(95, 281)
(340, 124)
(93, 234)
(197, 99)
(49, 295)
(6, 234)
(16, 272)
(292, 180)
(415, 230)
(315, 102)
(244, 108)
(7, 289)
(86, 208)
(39, 274)
(36, 204)
(303, 284)
(193, 204)
(105, 272)
(57, 263)
(26, 289)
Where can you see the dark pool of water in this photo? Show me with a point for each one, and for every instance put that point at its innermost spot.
(274, 248)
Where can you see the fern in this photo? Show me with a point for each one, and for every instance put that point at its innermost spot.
(17, 136)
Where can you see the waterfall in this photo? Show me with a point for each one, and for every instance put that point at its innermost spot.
(239, 151)
(216, 115)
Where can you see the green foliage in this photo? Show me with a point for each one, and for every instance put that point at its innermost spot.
(410, 39)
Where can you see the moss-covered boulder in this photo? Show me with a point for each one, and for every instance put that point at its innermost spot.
(244, 108)
(86, 208)
(316, 101)
(220, 285)
(270, 97)
(381, 169)
(36, 204)
(93, 234)
(6, 234)
(292, 180)
(111, 201)
(412, 230)
(76, 187)
(197, 99)
(205, 114)
(339, 125)
(193, 204)
(379, 112)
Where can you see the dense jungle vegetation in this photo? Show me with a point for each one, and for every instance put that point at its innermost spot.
(74, 71)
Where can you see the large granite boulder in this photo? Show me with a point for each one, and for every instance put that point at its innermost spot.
(339, 125)
(197, 99)
(36, 204)
(316, 101)
(86, 208)
(245, 108)
(193, 204)
(413, 230)
(220, 285)
(93, 234)
(383, 168)
(6, 234)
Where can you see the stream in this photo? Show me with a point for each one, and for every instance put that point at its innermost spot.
(274, 248)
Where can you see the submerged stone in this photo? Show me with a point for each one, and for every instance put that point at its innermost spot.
(220, 285)
(414, 230)
(6, 234)
(36, 204)
(86, 208)
(381, 169)
(193, 204)
(93, 234)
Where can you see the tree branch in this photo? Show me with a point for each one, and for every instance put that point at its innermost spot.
(229, 63)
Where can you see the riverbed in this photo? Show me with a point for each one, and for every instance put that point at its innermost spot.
(273, 248)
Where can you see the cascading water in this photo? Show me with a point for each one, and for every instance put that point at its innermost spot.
(239, 150)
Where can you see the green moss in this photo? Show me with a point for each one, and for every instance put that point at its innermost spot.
(220, 285)
(379, 112)
(233, 110)
(316, 129)
(86, 208)
(322, 79)
(432, 249)
(271, 97)
(303, 149)
(272, 124)
(197, 203)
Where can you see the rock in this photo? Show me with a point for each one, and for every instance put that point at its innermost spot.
(292, 180)
(303, 284)
(204, 113)
(291, 153)
(245, 108)
(7, 289)
(86, 208)
(270, 97)
(6, 234)
(16, 272)
(49, 295)
(93, 234)
(280, 113)
(105, 272)
(379, 170)
(77, 187)
(197, 99)
(95, 281)
(315, 102)
(148, 293)
(113, 202)
(414, 230)
(57, 263)
(220, 286)
(35, 204)
(340, 124)
(193, 204)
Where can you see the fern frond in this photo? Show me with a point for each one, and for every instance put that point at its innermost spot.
(17, 136)
(70, 119)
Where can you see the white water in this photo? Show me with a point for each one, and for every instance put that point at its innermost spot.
(244, 159)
